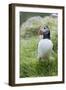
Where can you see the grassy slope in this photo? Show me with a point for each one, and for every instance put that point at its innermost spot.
(30, 66)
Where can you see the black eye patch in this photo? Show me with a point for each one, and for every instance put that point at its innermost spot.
(44, 28)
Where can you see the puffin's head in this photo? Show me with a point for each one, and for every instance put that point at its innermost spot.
(45, 32)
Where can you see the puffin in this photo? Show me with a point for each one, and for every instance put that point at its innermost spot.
(45, 44)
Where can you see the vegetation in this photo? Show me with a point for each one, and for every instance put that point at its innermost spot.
(30, 66)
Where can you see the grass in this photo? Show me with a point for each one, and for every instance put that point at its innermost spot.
(30, 66)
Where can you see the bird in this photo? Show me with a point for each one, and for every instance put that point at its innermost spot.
(45, 45)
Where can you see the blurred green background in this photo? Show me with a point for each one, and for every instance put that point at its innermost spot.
(30, 66)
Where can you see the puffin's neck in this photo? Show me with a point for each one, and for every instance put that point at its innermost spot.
(46, 35)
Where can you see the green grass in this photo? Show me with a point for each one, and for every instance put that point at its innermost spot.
(30, 66)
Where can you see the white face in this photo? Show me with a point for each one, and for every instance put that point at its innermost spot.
(44, 29)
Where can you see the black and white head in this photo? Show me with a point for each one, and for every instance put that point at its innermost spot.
(45, 32)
